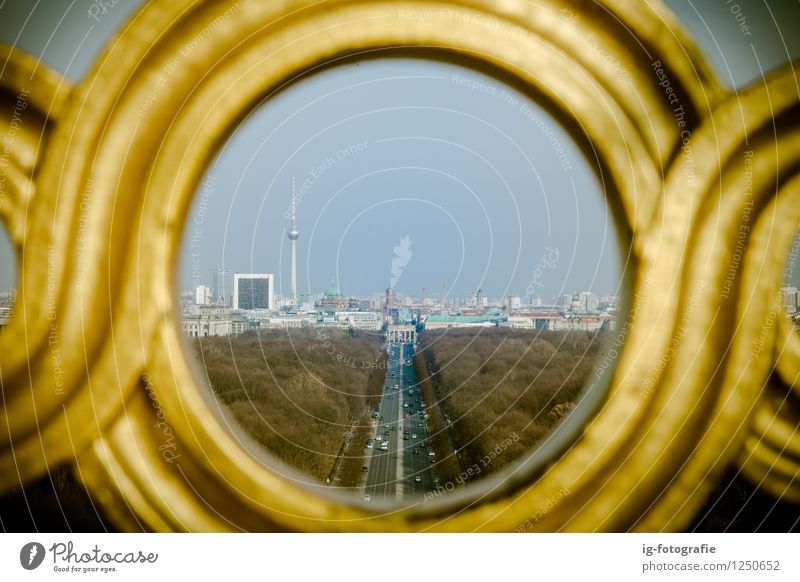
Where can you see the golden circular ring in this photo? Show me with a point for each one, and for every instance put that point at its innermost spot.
(698, 356)
(126, 162)
(33, 98)
(771, 455)
(583, 90)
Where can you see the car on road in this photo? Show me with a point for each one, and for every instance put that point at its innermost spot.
(431, 454)
(413, 436)
(415, 451)
(365, 468)
(433, 460)
(384, 446)
(367, 497)
(378, 438)
(417, 478)
(405, 405)
(369, 444)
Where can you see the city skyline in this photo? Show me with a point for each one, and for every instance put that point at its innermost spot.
(431, 295)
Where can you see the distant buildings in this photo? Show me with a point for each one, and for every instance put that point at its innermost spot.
(558, 322)
(361, 320)
(7, 301)
(5, 315)
(459, 321)
(202, 295)
(579, 311)
(206, 321)
(564, 301)
(550, 321)
(236, 303)
(791, 299)
(222, 286)
(333, 299)
(253, 291)
(588, 301)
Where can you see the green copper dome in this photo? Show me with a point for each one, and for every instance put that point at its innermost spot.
(333, 290)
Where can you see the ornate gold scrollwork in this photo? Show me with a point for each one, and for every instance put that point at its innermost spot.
(93, 366)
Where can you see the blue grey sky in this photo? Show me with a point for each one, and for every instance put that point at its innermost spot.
(471, 178)
(391, 148)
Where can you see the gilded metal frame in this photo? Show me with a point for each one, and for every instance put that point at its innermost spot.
(93, 367)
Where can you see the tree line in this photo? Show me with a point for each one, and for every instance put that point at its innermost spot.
(296, 392)
(496, 383)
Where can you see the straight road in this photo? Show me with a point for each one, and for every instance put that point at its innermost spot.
(404, 470)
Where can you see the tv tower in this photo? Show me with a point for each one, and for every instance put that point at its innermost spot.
(293, 235)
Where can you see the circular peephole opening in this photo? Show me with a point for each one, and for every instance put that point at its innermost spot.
(8, 278)
(791, 284)
(400, 278)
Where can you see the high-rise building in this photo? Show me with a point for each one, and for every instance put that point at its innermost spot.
(564, 301)
(253, 291)
(293, 235)
(202, 295)
(514, 302)
(589, 301)
(222, 286)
